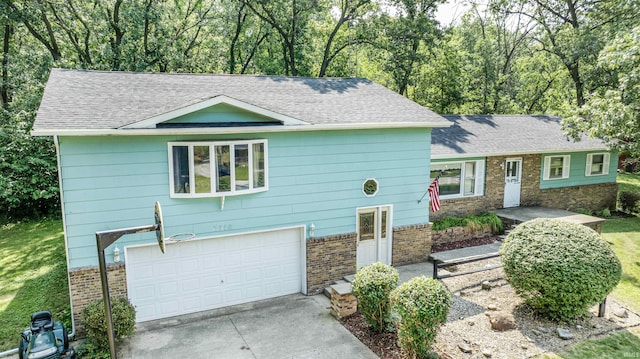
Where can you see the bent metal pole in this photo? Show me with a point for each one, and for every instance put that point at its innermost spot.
(104, 239)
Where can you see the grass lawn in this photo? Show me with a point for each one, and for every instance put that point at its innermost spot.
(628, 182)
(33, 276)
(625, 344)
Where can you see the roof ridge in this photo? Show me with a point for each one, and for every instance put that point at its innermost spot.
(208, 74)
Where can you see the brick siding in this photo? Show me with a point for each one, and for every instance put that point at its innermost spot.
(329, 259)
(589, 197)
(411, 244)
(86, 287)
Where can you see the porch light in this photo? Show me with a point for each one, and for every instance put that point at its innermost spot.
(312, 230)
(116, 254)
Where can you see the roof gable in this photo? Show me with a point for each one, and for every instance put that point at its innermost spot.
(216, 112)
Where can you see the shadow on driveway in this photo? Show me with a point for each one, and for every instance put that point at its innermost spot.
(293, 326)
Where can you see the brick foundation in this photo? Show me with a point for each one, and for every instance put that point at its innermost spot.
(328, 259)
(85, 288)
(589, 197)
(411, 244)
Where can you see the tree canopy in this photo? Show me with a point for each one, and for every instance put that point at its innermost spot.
(512, 56)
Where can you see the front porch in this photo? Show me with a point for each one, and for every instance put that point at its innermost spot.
(516, 215)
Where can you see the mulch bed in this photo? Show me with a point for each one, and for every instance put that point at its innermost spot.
(385, 345)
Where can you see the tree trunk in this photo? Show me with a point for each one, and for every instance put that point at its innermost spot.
(4, 87)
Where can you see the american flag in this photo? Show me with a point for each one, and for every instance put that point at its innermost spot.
(434, 195)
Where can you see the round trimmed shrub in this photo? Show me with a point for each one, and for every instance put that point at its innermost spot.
(124, 320)
(371, 286)
(422, 305)
(559, 268)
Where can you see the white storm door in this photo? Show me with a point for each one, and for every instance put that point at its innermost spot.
(512, 182)
(374, 236)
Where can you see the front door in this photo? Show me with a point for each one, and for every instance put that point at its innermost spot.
(374, 236)
(512, 182)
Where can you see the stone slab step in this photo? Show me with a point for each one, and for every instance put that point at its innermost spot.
(327, 290)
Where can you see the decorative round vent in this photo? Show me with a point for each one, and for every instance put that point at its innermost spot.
(370, 187)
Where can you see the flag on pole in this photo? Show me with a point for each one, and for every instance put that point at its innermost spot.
(434, 195)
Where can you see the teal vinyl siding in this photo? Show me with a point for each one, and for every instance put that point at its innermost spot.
(577, 169)
(221, 113)
(314, 177)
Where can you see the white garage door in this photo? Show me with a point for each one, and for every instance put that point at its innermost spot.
(212, 273)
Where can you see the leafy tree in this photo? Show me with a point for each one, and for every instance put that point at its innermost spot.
(613, 112)
(403, 29)
(574, 30)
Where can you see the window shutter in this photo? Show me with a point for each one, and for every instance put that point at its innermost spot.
(547, 167)
(587, 170)
(566, 166)
(479, 187)
(605, 165)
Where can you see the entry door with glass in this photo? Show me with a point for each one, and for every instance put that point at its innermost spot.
(374, 236)
(512, 182)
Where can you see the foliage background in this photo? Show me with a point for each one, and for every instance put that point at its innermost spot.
(574, 59)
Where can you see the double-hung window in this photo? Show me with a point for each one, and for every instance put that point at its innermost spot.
(597, 164)
(459, 179)
(220, 168)
(556, 167)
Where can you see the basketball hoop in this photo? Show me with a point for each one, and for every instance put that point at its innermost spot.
(159, 227)
(180, 237)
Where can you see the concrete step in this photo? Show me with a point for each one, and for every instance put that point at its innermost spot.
(327, 290)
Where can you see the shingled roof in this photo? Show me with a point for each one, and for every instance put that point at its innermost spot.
(98, 101)
(486, 135)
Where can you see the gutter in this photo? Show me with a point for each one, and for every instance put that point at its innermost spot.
(517, 153)
(232, 130)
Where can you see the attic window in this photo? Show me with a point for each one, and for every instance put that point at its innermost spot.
(215, 169)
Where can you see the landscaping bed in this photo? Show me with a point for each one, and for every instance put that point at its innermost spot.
(468, 326)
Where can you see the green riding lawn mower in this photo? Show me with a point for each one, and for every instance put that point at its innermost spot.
(45, 339)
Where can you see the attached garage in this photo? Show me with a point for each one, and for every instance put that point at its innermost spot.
(205, 274)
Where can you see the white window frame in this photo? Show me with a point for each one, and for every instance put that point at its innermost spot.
(478, 189)
(233, 191)
(606, 159)
(566, 167)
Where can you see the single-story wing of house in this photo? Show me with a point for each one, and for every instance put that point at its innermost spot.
(487, 162)
(286, 183)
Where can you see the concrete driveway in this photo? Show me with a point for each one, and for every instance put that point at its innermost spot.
(294, 326)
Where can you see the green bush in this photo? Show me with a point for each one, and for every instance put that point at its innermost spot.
(487, 219)
(371, 286)
(28, 175)
(422, 305)
(630, 201)
(559, 268)
(124, 320)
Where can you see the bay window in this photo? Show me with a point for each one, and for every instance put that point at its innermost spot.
(220, 168)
